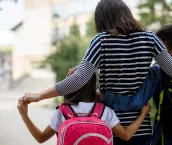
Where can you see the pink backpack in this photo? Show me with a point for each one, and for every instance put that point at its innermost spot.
(84, 130)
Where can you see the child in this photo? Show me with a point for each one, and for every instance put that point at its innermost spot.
(165, 34)
(81, 101)
(123, 51)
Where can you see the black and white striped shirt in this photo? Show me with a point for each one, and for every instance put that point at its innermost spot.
(123, 62)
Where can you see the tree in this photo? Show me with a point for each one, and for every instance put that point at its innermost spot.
(91, 30)
(67, 55)
(152, 11)
(74, 30)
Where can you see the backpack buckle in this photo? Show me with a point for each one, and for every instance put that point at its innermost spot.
(95, 115)
(70, 115)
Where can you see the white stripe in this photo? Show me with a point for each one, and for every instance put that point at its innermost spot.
(123, 44)
(144, 129)
(127, 113)
(117, 39)
(134, 78)
(126, 69)
(131, 117)
(127, 54)
(126, 83)
(136, 63)
(92, 49)
(135, 58)
(120, 89)
(144, 121)
(142, 134)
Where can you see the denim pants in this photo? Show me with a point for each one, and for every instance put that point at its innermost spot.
(150, 86)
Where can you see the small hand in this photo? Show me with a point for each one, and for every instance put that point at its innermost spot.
(22, 107)
(99, 96)
(31, 97)
(146, 108)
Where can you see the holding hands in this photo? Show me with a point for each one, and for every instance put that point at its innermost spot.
(22, 107)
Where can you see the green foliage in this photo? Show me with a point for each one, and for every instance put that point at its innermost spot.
(70, 50)
(91, 31)
(152, 11)
(74, 30)
(67, 57)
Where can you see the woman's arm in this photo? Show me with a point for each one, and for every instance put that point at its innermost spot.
(129, 131)
(162, 57)
(33, 129)
(35, 97)
(78, 79)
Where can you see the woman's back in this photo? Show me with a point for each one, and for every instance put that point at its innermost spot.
(123, 60)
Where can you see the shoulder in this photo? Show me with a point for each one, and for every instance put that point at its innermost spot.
(110, 117)
(108, 112)
(99, 36)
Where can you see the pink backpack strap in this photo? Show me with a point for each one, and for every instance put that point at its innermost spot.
(67, 111)
(97, 110)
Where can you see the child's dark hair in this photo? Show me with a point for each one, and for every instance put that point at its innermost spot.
(86, 94)
(115, 17)
(165, 34)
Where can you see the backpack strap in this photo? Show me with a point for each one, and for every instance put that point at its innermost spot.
(67, 111)
(97, 110)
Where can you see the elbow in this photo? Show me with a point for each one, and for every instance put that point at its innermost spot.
(40, 140)
(126, 137)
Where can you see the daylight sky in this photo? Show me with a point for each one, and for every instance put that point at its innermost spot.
(12, 13)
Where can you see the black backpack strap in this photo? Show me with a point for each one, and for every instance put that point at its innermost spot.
(57, 107)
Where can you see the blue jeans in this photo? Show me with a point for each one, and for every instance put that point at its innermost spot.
(138, 140)
(150, 86)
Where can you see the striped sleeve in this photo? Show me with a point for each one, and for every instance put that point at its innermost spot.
(93, 54)
(158, 45)
(165, 62)
(84, 70)
(162, 57)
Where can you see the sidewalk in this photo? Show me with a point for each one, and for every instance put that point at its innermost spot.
(12, 129)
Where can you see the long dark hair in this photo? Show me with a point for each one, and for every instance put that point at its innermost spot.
(115, 17)
(86, 94)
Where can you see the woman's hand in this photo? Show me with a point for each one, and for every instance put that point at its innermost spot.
(32, 97)
(146, 108)
(22, 107)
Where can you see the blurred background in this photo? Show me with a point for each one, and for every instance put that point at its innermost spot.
(39, 41)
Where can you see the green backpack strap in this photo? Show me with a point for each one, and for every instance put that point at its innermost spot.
(160, 102)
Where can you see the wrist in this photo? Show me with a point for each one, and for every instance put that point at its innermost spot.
(143, 114)
(24, 115)
(40, 96)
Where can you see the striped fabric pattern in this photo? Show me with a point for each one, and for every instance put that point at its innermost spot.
(123, 62)
(126, 118)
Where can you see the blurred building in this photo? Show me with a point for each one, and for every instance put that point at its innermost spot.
(32, 37)
(44, 22)
(66, 11)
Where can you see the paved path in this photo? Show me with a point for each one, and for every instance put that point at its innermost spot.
(12, 129)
